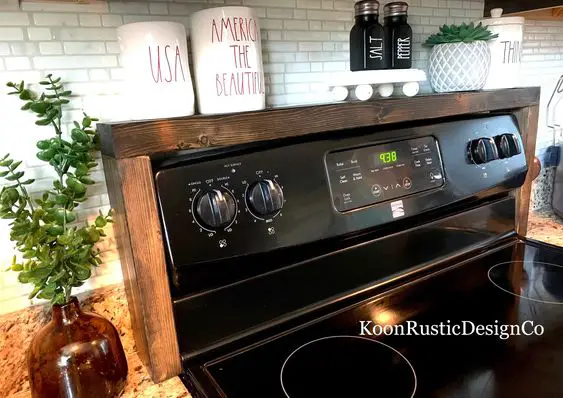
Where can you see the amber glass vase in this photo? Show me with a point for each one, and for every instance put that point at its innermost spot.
(77, 354)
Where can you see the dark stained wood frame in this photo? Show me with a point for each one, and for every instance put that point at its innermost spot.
(128, 147)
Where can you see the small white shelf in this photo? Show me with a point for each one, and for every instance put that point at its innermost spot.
(360, 85)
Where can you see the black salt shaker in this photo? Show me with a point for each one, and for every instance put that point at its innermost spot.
(398, 36)
(367, 50)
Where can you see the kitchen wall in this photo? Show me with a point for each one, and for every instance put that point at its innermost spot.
(542, 65)
(302, 41)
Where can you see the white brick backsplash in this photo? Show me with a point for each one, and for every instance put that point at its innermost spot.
(429, 3)
(274, 35)
(297, 88)
(282, 57)
(119, 7)
(39, 34)
(17, 63)
(183, 9)
(13, 18)
(158, 8)
(329, 15)
(271, 24)
(296, 25)
(315, 25)
(300, 14)
(279, 13)
(96, 7)
(310, 46)
(316, 66)
(420, 11)
(52, 19)
(273, 47)
(4, 49)
(11, 34)
(333, 66)
(298, 67)
(88, 34)
(339, 36)
(112, 20)
(112, 48)
(329, 56)
(303, 77)
(441, 12)
(330, 25)
(84, 47)
(89, 20)
(50, 48)
(75, 61)
(270, 3)
(309, 4)
(274, 68)
(306, 35)
(23, 48)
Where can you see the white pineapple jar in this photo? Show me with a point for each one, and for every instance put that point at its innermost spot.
(459, 66)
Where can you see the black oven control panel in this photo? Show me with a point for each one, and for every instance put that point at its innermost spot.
(254, 200)
(368, 175)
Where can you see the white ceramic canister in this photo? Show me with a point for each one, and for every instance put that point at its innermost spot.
(227, 54)
(158, 83)
(506, 50)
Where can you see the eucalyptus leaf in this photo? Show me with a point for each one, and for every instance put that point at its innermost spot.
(43, 144)
(58, 255)
(63, 216)
(40, 107)
(15, 176)
(15, 165)
(43, 122)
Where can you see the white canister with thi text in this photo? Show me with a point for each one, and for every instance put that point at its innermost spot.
(227, 54)
(506, 50)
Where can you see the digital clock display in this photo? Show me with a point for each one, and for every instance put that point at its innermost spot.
(387, 157)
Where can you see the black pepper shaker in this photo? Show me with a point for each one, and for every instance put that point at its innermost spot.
(367, 50)
(398, 36)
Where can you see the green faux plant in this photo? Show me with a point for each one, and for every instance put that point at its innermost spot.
(57, 255)
(464, 33)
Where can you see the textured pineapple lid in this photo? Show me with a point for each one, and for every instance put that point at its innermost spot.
(498, 19)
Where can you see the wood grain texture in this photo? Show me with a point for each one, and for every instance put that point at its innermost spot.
(544, 14)
(130, 139)
(517, 6)
(132, 195)
(528, 120)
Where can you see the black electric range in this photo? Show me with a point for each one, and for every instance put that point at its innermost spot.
(363, 263)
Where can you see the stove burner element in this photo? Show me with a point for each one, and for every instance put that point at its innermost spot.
(538, 281)
(347, 366)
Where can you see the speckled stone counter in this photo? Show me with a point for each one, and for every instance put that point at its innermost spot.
(546, 227)
(18, 328)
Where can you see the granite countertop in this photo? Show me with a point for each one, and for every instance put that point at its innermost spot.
(546, 227)
(18, 328)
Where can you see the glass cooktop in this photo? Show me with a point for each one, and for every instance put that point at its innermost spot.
(486, 328)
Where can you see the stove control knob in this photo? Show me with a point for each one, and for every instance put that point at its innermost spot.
(508, 145)
(216, 208)
(265, 197)
(483, 150)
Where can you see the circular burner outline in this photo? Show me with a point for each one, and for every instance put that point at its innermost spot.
(348, 337)
(519, 295)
